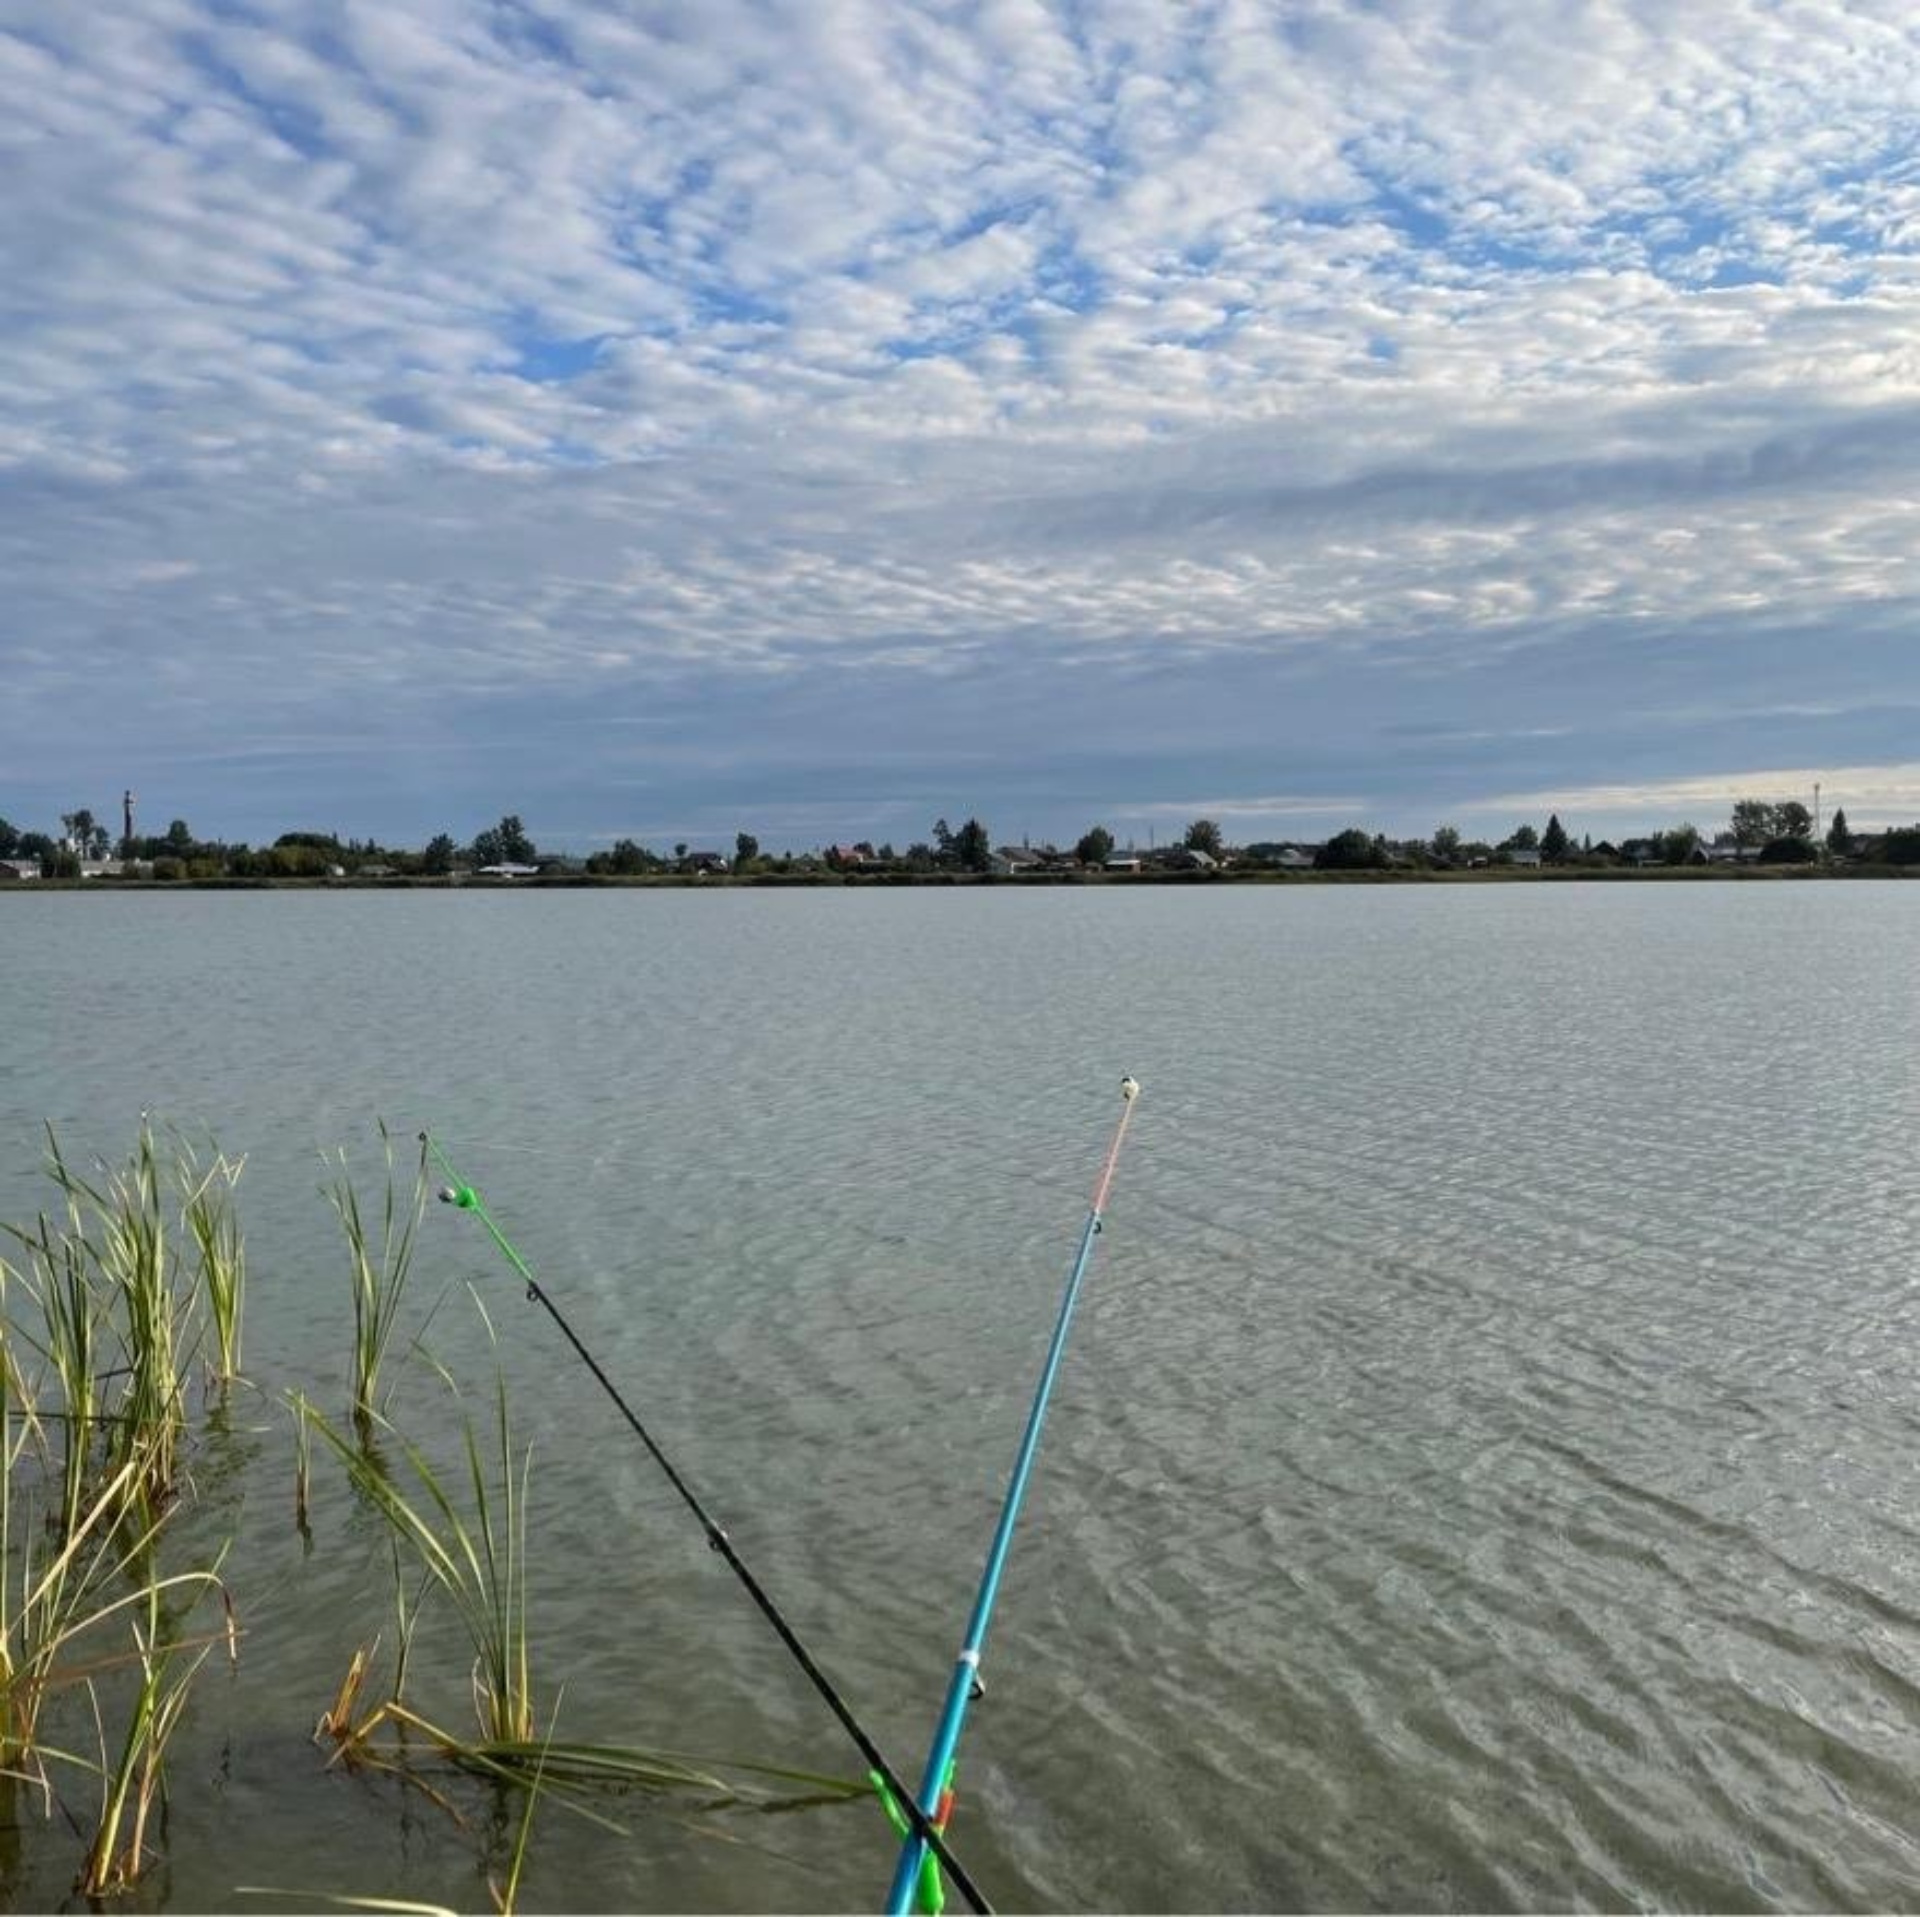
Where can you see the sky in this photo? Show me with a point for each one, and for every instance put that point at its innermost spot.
(819, 419)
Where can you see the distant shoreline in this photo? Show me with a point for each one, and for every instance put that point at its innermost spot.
(850, 881)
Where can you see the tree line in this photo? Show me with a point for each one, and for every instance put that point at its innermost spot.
(1759, 830)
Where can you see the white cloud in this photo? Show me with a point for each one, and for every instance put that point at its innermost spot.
(1872, 796)
(1094, 336)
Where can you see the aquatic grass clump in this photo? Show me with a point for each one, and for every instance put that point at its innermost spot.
(120, 1225)
(93, 1417)
(57, 1278)
(477, 1556)
(56, 1599)
(118, 1274)
(462, 1535)
(379, 1267)
(212, 1220)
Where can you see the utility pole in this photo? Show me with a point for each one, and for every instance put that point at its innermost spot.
(126, 820)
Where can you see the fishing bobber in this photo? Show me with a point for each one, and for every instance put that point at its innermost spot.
(1129, 1088)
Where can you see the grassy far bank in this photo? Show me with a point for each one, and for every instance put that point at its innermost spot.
(705, 881)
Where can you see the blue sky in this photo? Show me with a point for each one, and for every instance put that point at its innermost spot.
(815, 419)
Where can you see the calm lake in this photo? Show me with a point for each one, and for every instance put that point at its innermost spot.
(1483, 1475)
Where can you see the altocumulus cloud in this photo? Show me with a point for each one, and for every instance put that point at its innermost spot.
(815, 417)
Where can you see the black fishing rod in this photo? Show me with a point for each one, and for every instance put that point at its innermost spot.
(463, 1197)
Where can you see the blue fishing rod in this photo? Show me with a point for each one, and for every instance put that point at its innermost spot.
(918, 1869)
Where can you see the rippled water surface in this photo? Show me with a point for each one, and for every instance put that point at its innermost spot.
(1483, 1475)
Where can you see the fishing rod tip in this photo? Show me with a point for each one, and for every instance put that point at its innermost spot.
(1129, 1088)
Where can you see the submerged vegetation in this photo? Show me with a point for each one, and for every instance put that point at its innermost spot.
(121, 1306)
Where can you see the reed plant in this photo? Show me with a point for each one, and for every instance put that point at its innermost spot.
(57, 1279)
(208, 1210)
(379, 1265)
(120, 1222)
(506, 1896)
(302, 1464)
(464, 1533)
(472, 1549)
(100, 1321)
(60, 1595)
(134, 1782)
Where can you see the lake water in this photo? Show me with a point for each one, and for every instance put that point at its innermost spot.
(1483, 1474)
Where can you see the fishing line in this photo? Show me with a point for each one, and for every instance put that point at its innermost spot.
(894, 1793)
(914, 1875)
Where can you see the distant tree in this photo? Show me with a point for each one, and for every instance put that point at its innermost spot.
(746, 848)
(1351, 851)
(504, 844)
(1095, 847)
(943, 839)
(60, 862)
(1760, 821)
(1901, 846)
(972, 848)
(1553, 841)
(1839, 839)
(437, 859)
(680, 853)
(1445, 843)
(628, 857)
(1523, 838)
(1679, 845)
(179, 838)
(1203, 835)
(9, 840)
(921, 857)
(1789, 851)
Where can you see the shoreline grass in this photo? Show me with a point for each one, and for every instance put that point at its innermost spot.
(114, 1294)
